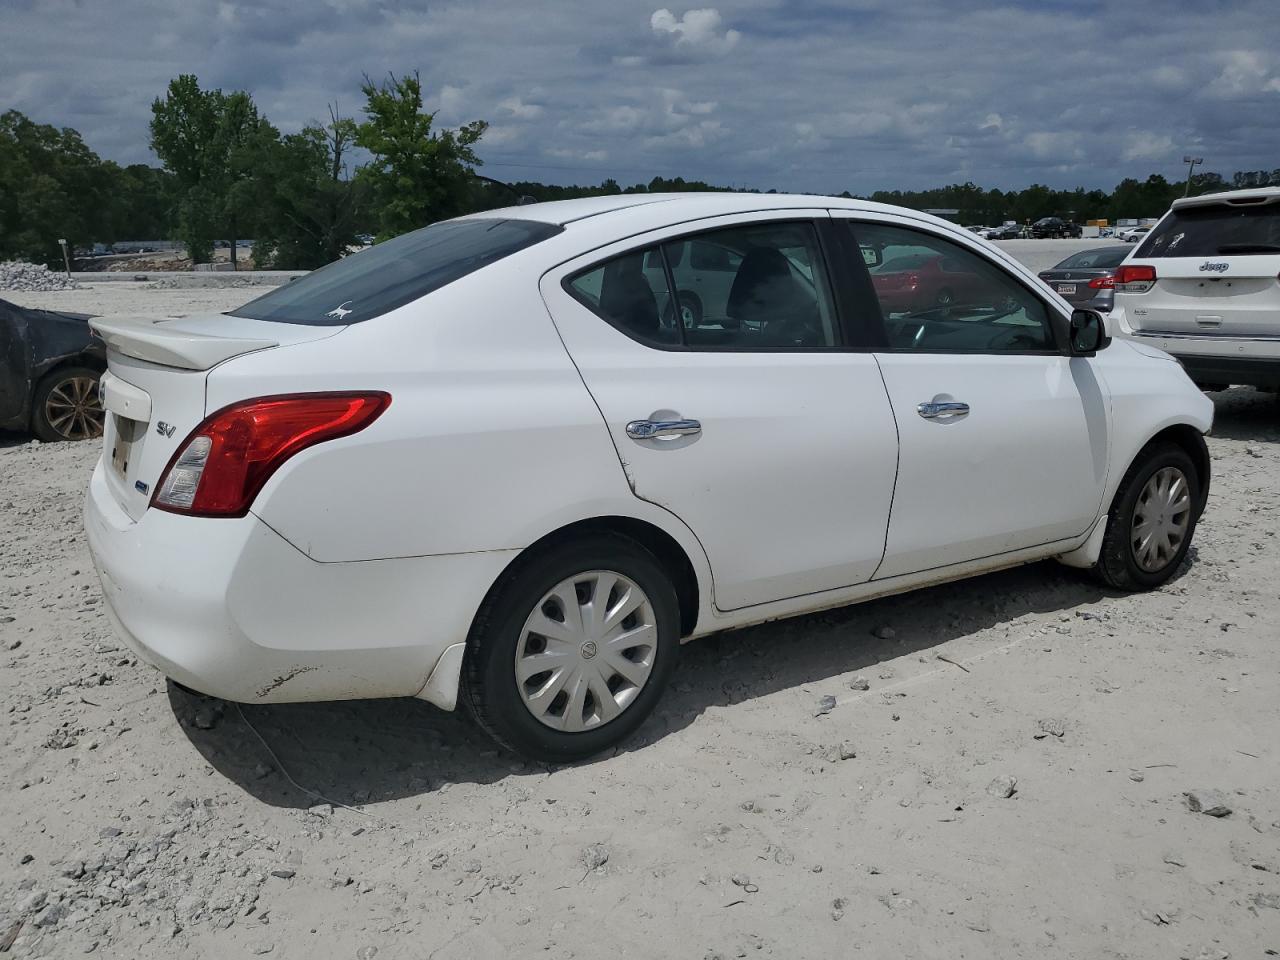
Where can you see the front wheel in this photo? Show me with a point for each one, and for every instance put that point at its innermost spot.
(572, 648)
(1152, 520)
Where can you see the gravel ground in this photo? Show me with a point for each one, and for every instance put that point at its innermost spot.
(1025, 796)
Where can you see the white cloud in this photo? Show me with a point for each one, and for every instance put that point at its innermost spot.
(1246, 72)
(697, 28)
(992, 121)
(1054, 145)
(593, 156)
(500, 135)
(450, 101)
(1146, 145)
(519, 109)
(1170, 77)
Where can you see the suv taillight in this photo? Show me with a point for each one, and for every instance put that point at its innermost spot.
(1135, 278)
(221, 466)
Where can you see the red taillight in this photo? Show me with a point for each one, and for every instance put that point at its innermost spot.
(1102, 283)
(1135, 278)
(222, 465)
(913, 281)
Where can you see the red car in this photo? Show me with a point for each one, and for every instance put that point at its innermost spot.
(919, 281)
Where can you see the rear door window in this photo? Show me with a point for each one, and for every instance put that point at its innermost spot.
(755, 287)
(630, 292)
(1214, 230)
(389, 275)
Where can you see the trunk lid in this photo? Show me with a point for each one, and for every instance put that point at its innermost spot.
(1227, 296)
(1073, 285)
(154, 387)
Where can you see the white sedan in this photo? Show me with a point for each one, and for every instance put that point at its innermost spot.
(517, 458)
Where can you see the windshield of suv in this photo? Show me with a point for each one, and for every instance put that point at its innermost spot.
(1214, 230)
(388, 275)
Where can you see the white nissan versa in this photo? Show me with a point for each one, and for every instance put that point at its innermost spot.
(517, 458)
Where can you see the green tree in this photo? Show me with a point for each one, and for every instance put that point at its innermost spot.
(184, 128)
(310, 205)
(212, 142)
(1208, 182)
(417, 175)
(245, 140)
(52, 186)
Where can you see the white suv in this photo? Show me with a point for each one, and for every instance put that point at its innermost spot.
(1205, 286)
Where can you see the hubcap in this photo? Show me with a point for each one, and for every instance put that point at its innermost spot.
(1160, 519)
(72, 409)
(586, 651)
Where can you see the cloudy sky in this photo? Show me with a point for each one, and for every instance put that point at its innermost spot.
(810, 95)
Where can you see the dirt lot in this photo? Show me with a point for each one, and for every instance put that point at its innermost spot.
(142, 822)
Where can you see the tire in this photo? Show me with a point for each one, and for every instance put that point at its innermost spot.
(522, 716)
(1121, 563)
(690, 309)
(65, 405)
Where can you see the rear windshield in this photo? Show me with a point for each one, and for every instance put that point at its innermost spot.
(1215, 230)
(1095, 259)
(389, 275)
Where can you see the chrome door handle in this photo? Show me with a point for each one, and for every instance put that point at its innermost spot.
(934, 410)
(662, 429)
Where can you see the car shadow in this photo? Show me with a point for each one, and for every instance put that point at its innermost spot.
(366, 751)
(13, 438)
(1243, 413)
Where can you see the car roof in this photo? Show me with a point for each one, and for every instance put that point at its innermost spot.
(678, 207)
(1259, 195)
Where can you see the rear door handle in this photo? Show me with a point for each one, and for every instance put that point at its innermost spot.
(662, 429)
(942, 410)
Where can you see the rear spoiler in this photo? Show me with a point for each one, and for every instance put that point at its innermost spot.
(155, 342)
(1229, 198)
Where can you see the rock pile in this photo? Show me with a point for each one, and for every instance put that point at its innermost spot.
(32, 277)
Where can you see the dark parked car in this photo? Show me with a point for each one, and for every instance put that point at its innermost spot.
(1008, 231)
(1088, 278)
(1055, 228)
(49, 369)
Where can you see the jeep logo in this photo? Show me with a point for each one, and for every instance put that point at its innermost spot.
(1214, 267)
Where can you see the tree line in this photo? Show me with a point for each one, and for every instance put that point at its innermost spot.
(228, 173)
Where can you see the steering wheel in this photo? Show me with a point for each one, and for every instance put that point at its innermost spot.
(1017, 340)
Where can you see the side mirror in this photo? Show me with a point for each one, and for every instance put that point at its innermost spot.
(1087, 333)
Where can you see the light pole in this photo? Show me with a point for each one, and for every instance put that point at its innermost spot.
(1191, 168)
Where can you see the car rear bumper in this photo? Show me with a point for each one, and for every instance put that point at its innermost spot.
(1222, 371)
(228, 607)
(1103, 302)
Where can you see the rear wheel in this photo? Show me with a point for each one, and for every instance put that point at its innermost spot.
(572, 649)
(1152, 520)
(66, 407)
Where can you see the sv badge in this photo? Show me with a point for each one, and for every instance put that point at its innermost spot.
(165, 429)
